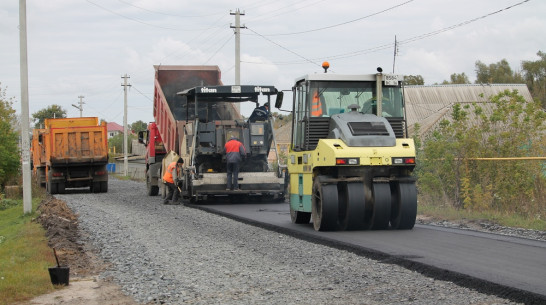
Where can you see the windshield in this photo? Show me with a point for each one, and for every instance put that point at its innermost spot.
(329, 98)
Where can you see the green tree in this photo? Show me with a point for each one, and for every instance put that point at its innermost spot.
(457, 79)
(9, 150)
(53, 111)
(496, 73)
(138, 126)
(414, 80)
(116, 143)
(534, 73)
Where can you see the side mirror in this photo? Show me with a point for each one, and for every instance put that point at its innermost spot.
(278, 101)
(141, 137)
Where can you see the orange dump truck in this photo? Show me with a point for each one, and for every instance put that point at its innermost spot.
(70, 153)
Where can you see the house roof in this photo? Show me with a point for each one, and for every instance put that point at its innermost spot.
(428, 105)
(113, 126)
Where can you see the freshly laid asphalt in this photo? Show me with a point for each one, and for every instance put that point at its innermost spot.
(506, 265)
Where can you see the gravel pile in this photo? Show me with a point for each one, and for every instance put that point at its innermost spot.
(484, 226)
(180, 255)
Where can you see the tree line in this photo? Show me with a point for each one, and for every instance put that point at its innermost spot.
(531, 73)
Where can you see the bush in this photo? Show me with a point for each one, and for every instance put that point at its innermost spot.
(451, 166)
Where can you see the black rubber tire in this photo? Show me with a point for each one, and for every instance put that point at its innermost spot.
(51, 187)
(151, 190)
(381, 206)
(163, 189)
(104, 186)
(299, 217)
(95, 187)
(404, 205)
(61, 188)
(355, 206)
(325, 209)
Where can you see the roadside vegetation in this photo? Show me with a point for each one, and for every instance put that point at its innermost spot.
(453, 182)
(24, 253)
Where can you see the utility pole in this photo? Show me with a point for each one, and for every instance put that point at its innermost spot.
(395, 53)
(125, 161)
(25, 140)
(237, 31)
(81, 105)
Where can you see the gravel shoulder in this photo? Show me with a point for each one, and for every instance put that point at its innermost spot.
(165, 254)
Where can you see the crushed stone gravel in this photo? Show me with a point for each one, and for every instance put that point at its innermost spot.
(173, 254)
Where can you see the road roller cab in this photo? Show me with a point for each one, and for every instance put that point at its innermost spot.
(350, 160)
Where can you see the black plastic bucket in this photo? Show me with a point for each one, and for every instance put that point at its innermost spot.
(59, 275)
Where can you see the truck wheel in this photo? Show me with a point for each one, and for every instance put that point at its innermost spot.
(104, 186)
(60, 188)
(404, 205)
(381, 206)
(52, 188)
(95, 187)
(151, 190)
(324, 206)
(163, 191)
(299, 217)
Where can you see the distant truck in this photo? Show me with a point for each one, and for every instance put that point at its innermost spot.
(194, 117)
(70, 153)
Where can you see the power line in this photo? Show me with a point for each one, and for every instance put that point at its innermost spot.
(291, 9)
(343, 23)
(142, 22)
(419, 37)
(143, 94)
(390, 45)
(221, 47)
(301, 56)
(167, 14)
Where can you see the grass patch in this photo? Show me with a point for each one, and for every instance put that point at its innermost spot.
(24, 254)
(448, 212)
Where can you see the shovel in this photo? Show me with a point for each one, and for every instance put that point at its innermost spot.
(59, 275)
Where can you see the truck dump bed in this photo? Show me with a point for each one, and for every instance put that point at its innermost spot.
(71, 152)
(76, 140)
(170, 107)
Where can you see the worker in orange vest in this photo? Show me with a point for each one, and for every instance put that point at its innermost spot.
(316, 105)
(171, 178)
(235, 153)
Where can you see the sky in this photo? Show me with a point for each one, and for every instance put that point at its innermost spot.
(84, 47)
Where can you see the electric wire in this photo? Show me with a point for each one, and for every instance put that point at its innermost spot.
(419, 37)
(221, 47)
(167, 14)
(340, 24)
(143, 94)
(291, 9)
(390, 45)
(282, 47)
(142, 22)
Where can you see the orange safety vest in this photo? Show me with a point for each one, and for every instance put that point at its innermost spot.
(168, 176)
(316, 105)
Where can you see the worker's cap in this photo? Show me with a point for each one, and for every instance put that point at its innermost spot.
(180, 160)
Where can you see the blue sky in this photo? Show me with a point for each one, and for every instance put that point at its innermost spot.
(83, 47)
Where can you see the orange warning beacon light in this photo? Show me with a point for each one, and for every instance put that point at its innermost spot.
(325, 66)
